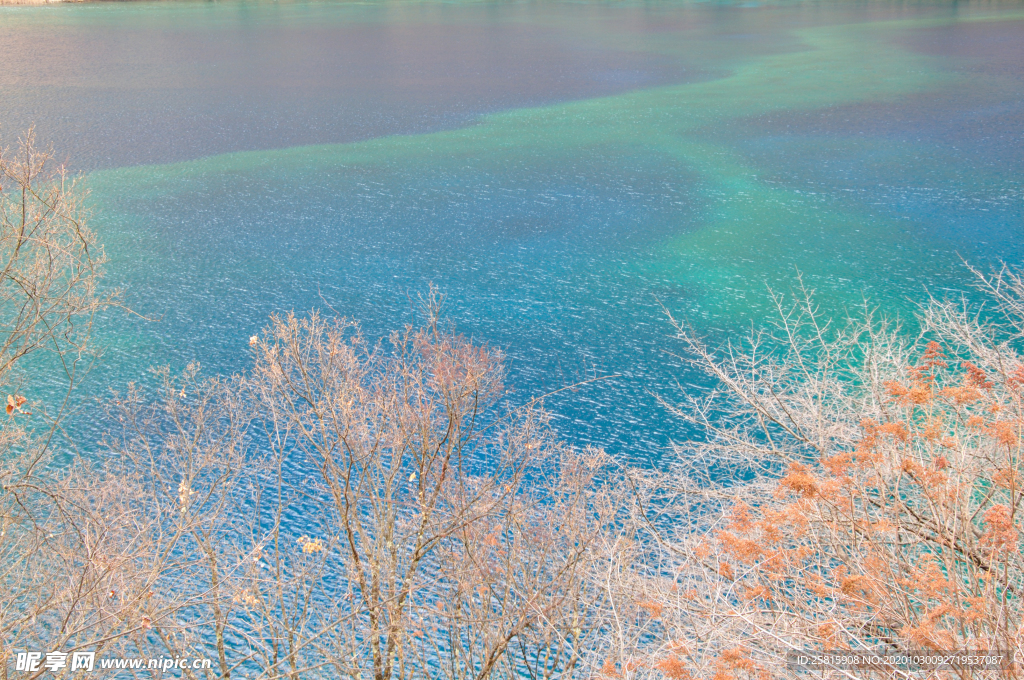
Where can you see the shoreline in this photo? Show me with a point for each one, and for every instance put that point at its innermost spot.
(6, 3)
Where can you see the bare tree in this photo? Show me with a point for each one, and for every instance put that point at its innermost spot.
(50, 273)
(451, 529)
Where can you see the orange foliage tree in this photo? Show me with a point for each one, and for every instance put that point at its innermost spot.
(856, 491)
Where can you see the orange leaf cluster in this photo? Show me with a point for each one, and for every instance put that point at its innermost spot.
(975, 377)
(1004, 432)
(14, 403)
(800, 480)
(733, 660)
(1001, 533)
(673, 668)
(654, 609)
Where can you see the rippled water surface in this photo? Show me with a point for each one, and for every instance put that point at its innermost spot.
(560, 169)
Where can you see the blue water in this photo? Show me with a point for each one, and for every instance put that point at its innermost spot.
(561, 170)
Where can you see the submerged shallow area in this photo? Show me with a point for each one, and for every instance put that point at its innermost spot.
(561, 170)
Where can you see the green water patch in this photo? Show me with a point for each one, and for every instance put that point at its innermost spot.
(747, 233)
(764, 238)
(838, 65)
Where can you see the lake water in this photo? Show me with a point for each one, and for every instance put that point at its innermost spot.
(560, 169)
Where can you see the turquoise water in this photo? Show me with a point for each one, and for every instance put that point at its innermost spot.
(560, 169)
